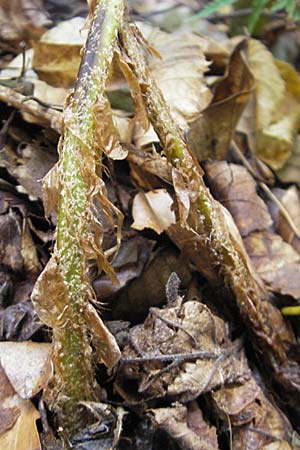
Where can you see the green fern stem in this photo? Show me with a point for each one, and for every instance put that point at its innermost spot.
(74, 368)
(206, 222)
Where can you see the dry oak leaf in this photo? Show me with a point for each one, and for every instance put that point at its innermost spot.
(210, 134)
(235, 188)
(182, 329)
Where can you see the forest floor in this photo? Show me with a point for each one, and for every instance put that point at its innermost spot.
(199, 369)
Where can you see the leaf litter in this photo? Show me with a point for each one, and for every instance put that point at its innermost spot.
(184, 370)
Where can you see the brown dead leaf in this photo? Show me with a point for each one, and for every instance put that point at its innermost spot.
(235, 188)
(277, 108)
(182, 329)
(153, 210)
(289, 198)
(128, 264)
(29, 252)
(32, 165)
(106, 135)
(254, 420)
(11, 241)
(210, 134)
(186, 96)
(21, 65)
(19, 322)
(181, 54)
(57, 54)
(186, 426)
(28, 159)
(237, 402)
(18, 419)
(50, 297)
(277, 263)
(22, 19)
(27, 366)
(135, 90)
(51, 187)
(107, 349)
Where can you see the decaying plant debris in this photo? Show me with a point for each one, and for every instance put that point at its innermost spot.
(158, 281)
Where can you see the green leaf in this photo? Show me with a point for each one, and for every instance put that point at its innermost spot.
(258, 6)
(280, 4)
(211, 8)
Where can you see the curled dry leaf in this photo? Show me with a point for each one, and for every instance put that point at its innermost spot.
(106, 135)
(50, 297)
(27, 366)
(235, 188)
(51, 187)
(184, 329)
(17, 249)
(254, 419)
(210, 133)
(29, 250)
(186, 426)
(182, 195)
(153, 210)
(277, 108)
(17, 419)
(135, 90)
(107, 349)
(276, 262)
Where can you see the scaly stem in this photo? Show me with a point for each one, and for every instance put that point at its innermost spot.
(74, 358)
(205, 229)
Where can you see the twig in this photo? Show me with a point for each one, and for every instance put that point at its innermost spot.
(180, 357)
(45, 116)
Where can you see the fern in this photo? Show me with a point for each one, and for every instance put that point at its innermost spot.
(290, 7)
